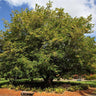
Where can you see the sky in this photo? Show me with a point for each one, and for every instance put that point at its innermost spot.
(75, 8)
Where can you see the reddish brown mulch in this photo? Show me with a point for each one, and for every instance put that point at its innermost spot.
(8, 92)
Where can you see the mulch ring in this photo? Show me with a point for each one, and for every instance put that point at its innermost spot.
(89, 92)
(8, 92)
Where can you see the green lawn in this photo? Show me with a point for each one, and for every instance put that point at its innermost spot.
(91, 83)
(38, 84)
(4, 82)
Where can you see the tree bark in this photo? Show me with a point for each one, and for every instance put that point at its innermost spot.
(48, 81)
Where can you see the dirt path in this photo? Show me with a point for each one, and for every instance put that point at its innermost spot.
(89, 92)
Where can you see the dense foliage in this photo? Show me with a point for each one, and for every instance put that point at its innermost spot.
(46, 43)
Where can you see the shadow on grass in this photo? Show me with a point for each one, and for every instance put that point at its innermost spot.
(4, 82)
(41, 84)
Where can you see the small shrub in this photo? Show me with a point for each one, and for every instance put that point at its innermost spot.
(20, 87)
(84, 86)
(90, 77)
(34, 89)
(59, 90)
(17, 88)
(4, 86)
(11, 86)
(84, 76)
(39, 89)
(75, 76)
(74, 88)
(71, 88)
(8, 86)
(70, 78)
(77, 87)
(48, 89)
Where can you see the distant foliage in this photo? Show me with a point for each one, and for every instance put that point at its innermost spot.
(91, 77)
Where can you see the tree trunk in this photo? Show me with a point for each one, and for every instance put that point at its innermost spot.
(48, 81)
(31, 79)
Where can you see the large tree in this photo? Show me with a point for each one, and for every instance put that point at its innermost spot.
(46, 43)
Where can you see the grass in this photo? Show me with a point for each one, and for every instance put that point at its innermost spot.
(4, 82)
(39, 82)
(2, 79)
(39, 85)
(90, 83)
(38, 79)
